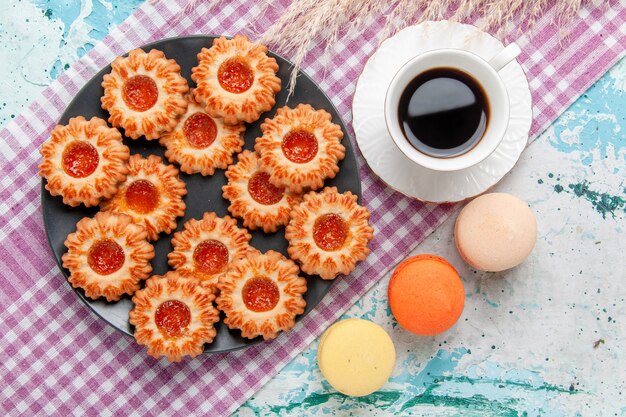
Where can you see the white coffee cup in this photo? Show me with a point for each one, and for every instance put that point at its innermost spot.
(482, 71)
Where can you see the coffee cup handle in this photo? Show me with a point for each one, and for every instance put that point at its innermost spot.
(508, 54)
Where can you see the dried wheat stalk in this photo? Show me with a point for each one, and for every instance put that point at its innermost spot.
(305, 23)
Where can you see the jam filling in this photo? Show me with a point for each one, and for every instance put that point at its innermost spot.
(142, 196)
(210, 256)
(80, 159)
(299, 146)
(330, 232)
(262, 191)
(235, 75)
(105, 257)
(172, 318)
(260, 294)
(200, 130)
(140, 93)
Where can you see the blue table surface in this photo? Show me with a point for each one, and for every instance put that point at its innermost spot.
(545, 338)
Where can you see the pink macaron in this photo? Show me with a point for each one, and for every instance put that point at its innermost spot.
(495, 232)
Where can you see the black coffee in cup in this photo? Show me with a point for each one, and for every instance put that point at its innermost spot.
(443, 112)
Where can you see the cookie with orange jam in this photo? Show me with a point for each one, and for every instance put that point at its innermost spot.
(152, 195)
(84, 161)
(329, 233)
(205, 248)
(236, 80)
(300, 148)
(261, 294)
(144, 94)
(108, 256)
(201, 143)
(253, 198)
(174, 316)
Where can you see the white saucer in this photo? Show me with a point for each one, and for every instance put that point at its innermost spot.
(379, 150)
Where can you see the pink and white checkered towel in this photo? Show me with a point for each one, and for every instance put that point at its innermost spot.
(58, 358)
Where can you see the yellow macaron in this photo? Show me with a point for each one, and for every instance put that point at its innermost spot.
(356, 356)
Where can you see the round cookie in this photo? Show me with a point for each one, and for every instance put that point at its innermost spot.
(356, 356)
(426, 295)
(495, 232)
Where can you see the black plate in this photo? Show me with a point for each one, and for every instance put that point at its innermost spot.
(204, 193)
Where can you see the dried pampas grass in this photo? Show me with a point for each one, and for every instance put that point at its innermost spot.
(309, 22)
(306, 23)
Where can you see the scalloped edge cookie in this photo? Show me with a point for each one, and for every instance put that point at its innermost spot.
(210, 227)
(306, 175)
(170, 188)
(255, 215)
(283, 273)
(202, 159)
(103, 181)
(203, 316)
(302, 245)
(233, 107)
(131, 238)
(170, 103)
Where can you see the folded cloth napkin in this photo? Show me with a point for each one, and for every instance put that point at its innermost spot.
(58, 358)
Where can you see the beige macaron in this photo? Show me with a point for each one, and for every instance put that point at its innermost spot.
(495, 232)
(356, 356)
